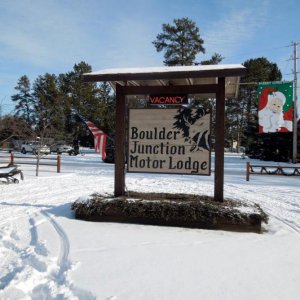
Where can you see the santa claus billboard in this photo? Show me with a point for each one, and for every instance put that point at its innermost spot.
(275, 109)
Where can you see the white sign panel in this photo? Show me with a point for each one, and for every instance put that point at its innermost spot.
(169, 141)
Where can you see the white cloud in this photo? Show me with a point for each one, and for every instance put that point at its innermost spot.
(39, 34)
(134, 44)
(235, 29)
(53, 33)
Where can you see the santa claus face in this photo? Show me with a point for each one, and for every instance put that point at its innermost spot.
(275, 105)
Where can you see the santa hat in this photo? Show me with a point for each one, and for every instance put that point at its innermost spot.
(263, 99)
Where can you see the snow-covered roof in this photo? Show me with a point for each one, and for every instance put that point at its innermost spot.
(198, 68)
(175, 76)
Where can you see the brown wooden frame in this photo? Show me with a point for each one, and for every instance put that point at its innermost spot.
(123, 91)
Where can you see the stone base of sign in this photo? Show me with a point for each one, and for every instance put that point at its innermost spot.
(180, 210)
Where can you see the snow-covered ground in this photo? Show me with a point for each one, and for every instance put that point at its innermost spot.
(46, 254)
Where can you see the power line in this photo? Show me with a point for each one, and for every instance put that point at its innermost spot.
(260, 51)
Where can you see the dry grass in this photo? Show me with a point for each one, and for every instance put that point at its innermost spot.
(172, 210)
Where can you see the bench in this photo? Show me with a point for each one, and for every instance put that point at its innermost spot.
(9, 172)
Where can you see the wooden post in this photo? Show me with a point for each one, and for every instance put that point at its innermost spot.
(11, 159)
(248, 171)
(219, 145)
(120, 142)
(58, 163)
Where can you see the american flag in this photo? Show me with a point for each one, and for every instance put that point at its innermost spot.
(99, 138)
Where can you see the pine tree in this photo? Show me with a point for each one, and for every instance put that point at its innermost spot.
(83, 95)
(234, 121)
(215, 59)
(180, 42)
(94, 102)
(109, 107)
(66, 103)
(49, 109)
(24, 107)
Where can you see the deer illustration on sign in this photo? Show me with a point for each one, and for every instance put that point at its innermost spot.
(195, 127)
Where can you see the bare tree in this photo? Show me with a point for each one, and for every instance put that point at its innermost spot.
(43, 132)
(12, 127)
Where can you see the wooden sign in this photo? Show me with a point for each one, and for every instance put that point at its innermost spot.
(169, 141)
(168, 99)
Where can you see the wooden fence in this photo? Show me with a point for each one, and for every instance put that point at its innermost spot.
(271, 170)
(11, 159)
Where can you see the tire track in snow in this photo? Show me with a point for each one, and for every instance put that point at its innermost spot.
(287, 223)
(64, 288)
(21, 248)
(283, 220)
(63, 257)
(39, 248)
(35, 263)
(280, 208)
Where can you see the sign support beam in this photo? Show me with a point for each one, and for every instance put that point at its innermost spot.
(219, 145)
(120, 142)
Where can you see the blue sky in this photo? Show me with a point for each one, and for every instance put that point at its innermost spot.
(39, 36)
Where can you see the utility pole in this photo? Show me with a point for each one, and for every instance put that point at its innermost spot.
(295, 44)
(1, 114)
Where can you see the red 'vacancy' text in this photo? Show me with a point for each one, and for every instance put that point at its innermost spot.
(167, 100)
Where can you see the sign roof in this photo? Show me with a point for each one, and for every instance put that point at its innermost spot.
(175, 76)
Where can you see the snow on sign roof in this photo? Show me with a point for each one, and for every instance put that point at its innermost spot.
(157, 70)
(176, 75)
(198, 68)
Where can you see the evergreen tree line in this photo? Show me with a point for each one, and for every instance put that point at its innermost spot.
(51, 104)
